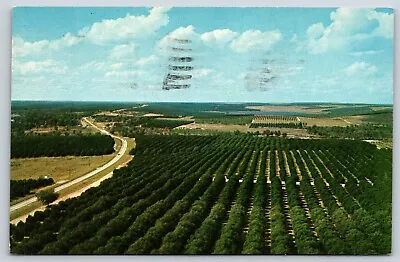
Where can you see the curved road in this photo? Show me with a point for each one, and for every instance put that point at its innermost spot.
(84, 177)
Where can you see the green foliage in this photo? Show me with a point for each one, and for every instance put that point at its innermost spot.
(364, 131)
(224, 119)
(26, 119)
(47, 196)
(133, 126)
(189, 194)
(355, 110)
(54, 144)
(280, 125)
(20, 188)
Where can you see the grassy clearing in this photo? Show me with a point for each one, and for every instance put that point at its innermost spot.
(61, 169)
(324, 121)
(58, 168)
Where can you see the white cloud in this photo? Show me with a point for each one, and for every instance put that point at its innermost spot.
(253, 40)
(39, 67)
(315, 30)
(147, 60)
(202, 72)
(385, 28)
(218, 37)
(22, 48)
(93, 66)
(111, 30)
(66, 41)
(348, 25)
(126, 73)
(361, 68)
(123, 51)
(128, 27)
(181, 33)
(369, 52)
(250, 40)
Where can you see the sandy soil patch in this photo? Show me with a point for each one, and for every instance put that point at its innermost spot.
(379, 108)
(152, 115)
(356, 120)
(186, 118)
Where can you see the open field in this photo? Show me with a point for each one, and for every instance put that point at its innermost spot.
(61, 169)
(324, 121)
(58, 168)
(380, 108)
(384, 118)
(226, 194)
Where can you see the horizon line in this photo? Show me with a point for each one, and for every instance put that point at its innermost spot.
(202, 102)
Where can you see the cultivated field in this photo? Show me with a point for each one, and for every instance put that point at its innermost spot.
(226, 194)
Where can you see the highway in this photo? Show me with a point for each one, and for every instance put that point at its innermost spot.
(120, 153)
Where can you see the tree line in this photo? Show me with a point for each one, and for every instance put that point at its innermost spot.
(20, 188)
(27, 119)
(55, 144)
(364, 131)
(280, 125)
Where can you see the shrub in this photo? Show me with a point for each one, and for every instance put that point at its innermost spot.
(47, 196)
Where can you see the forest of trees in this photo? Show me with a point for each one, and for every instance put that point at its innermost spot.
(20, 188)
(132, 126)
(24, 120)
(224, 119)
(364, 131)
(55, 144)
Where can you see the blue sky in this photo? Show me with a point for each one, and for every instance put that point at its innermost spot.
(240, 54)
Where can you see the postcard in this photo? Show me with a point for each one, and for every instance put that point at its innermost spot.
(201, 131)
